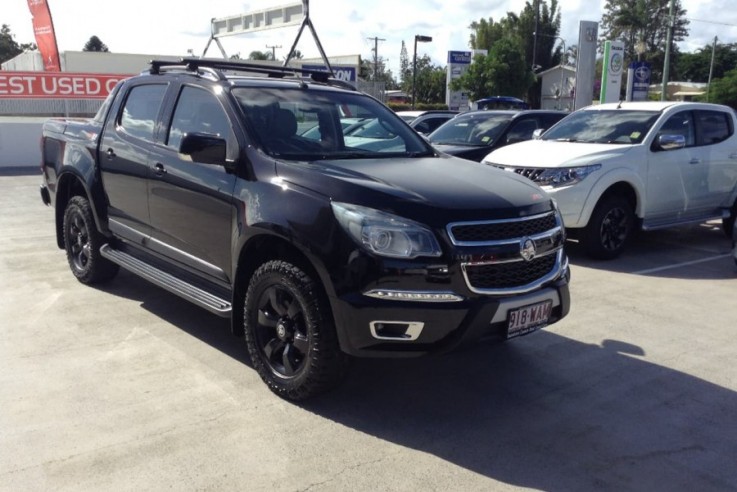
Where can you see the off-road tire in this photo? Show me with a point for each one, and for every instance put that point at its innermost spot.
(609, 229)
(82, 242)
(290, 334)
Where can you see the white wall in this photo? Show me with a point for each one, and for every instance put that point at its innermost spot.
(19, 141)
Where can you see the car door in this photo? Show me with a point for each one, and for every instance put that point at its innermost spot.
(191, 203)
(674, 177)
(717, 156)
(123, 158)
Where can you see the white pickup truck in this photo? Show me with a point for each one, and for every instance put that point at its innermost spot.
(616, 167)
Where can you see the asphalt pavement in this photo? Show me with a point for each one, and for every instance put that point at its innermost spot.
(127, 387)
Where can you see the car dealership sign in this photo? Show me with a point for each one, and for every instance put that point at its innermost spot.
(59, 85)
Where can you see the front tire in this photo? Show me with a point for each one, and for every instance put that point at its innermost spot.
(290, 334)
(609, 229)
(82, 243)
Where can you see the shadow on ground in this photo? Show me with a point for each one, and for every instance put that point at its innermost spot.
(544, 411)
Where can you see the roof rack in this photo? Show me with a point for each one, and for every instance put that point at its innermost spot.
(215, 65)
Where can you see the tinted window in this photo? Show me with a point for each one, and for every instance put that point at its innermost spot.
(522, 130)
(714, 126)
(307, 124)
(481, 128)
(198, 111)
(141, 109)
(680, 124)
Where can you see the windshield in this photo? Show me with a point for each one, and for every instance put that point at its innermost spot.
(618, 126)
(476, 129)
(308, 124)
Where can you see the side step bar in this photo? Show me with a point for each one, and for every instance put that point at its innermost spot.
(167, 281)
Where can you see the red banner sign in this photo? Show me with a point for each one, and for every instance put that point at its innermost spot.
(43, 28)
(43, 85)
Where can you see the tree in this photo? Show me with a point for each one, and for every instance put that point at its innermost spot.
(724, 90)
(260, 55)
(405, 70)
(519, 30)
(504, 71)
(643, 24)
(366, 72)
(9, 48)
(95, 44)
(430, 81)
(695, 66)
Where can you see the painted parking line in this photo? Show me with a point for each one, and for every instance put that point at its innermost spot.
(679, 265)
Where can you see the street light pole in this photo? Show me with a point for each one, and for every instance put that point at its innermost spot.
(421, 39)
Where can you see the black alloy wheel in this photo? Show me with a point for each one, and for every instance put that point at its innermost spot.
(281, 334)
(609, 228)
(82, 243)
(289, 332)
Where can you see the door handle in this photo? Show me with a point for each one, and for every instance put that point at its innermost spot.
(110, 153)
(733, 156)
(695, 161)
(159, 169)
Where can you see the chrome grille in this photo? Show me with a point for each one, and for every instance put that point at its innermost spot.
(482, 232)
(509, 275)
(492, 253)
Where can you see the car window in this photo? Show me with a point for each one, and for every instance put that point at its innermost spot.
(479, 129)
(680, 124)
(618, 126)
(142, 109)
(714, 126)
(522, 130)
(199, 111)
(274, 116)
(429, 125)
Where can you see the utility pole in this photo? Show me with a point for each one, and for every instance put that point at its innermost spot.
(711, 68)
(669, 41)
(534, 39)
(273, 50)
(376, 54)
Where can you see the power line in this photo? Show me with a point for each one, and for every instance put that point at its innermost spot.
(711, 22)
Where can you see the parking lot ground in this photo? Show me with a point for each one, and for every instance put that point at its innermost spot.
(126, 387)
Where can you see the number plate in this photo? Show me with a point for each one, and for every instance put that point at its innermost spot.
(528, 318)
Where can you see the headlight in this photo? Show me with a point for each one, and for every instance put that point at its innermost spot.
(566, 176)
(386, 234)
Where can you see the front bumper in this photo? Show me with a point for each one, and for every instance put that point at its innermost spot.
(371, 327)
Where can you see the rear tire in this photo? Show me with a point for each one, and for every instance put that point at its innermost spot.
(609, 229)
(728, 222)
(82, 243)
(290, 334)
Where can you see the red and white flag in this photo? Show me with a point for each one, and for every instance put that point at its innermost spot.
(43, 28)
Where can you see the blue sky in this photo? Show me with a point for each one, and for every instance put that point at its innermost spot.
(166, 27)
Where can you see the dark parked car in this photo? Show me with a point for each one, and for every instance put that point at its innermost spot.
(425, 122)
(317, 247)
(474, 134)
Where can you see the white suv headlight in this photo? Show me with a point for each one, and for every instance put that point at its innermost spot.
(565, 176)
(386, 234)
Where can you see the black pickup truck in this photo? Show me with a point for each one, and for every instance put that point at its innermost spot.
(234, 186)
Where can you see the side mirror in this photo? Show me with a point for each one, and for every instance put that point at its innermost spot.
(204, 148)
(670, 142)
(537, 133)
